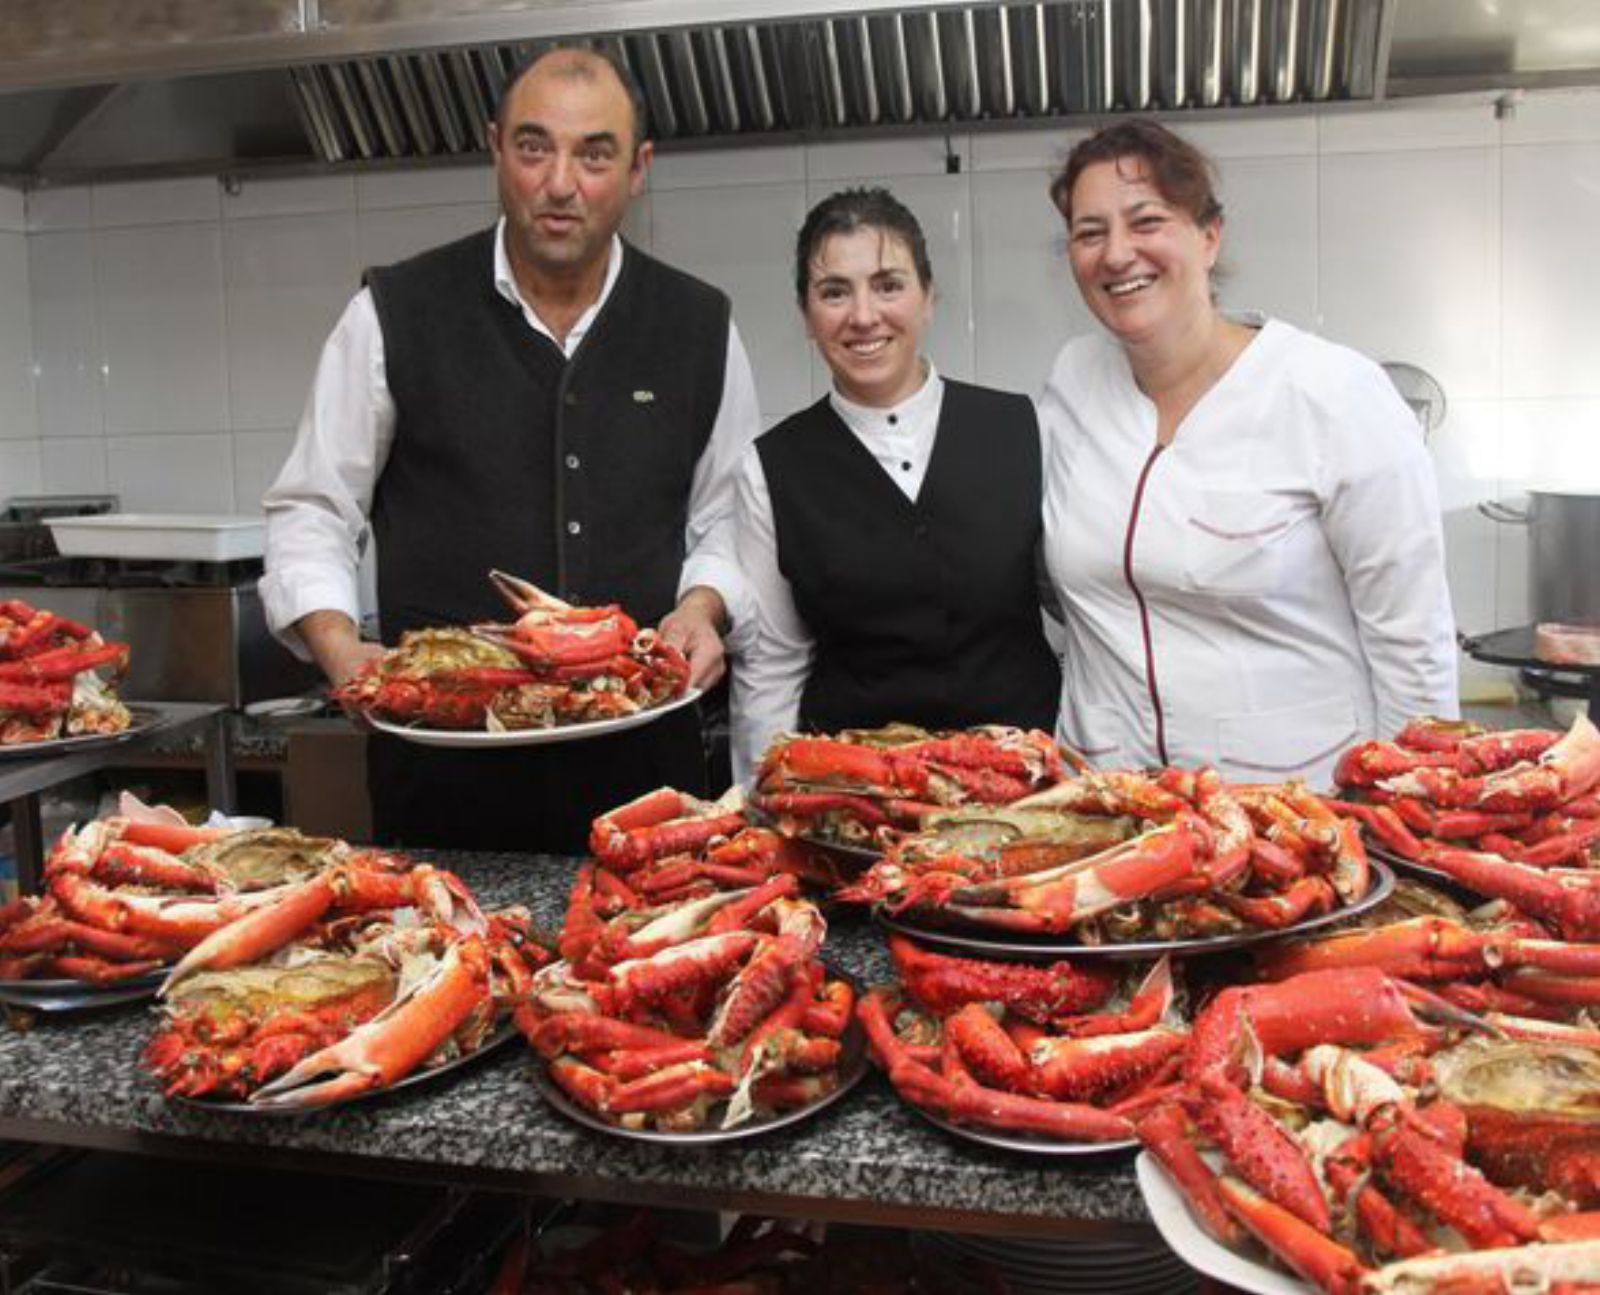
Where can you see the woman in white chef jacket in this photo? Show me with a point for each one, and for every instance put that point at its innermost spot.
(1242, 521)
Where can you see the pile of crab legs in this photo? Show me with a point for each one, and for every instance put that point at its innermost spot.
(848, 787)
(1023, 1050)
(1529, 801)
(1116, 855)
(342, 985)
(131, 893)
(1340, 1153)
(689, 973)
(49, 681)
(555, 664)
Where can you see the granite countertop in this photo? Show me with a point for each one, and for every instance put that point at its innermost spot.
(75, 1079)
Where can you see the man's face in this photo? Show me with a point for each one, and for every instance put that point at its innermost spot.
(567, 166)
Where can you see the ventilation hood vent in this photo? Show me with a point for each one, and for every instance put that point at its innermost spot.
(103, 87)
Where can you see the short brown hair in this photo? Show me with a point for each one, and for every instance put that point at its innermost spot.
(585, 62)
(1181, 173)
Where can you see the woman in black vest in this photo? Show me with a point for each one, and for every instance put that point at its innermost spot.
(889, 531)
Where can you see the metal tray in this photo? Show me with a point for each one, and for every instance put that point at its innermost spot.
(984, 942)
(501, 1034)
(852, 1069)
(76, 995)
(144, 718)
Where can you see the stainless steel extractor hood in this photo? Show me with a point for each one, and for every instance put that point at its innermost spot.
(94, 88)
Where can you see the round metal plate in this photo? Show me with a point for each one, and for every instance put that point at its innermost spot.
(466, 738)
(862, 855)
(981, 941)
(503, 1033)
(1016, 1142)
(143, 719)
(852, 1069)
(1422, 872)
(74, 995)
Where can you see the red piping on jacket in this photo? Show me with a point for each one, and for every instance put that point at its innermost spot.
(1144, 612)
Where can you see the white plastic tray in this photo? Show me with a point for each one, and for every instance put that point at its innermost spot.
(188, 536)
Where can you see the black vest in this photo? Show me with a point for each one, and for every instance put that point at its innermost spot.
(926, 612)
(573, 474)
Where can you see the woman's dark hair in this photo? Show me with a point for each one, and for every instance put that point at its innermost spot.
(1181, 173)
(852, 209)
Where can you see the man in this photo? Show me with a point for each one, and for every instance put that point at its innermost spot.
(543, 399)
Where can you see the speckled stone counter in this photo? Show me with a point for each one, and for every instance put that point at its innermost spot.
(76, 1080)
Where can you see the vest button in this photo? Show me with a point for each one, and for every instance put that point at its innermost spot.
(571, 398)
(573, 461)
(921, 531)
(574, 528)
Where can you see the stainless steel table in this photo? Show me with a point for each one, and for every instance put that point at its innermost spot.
(22, 777)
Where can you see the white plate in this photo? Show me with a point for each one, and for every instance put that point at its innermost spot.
(156, 536)
(1170, 1213)
(532, 736)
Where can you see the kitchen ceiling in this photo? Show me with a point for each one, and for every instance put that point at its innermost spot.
(101, 88)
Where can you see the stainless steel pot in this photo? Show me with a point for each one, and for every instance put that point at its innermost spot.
(1563, 551)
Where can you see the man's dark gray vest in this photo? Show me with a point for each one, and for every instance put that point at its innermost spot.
(924, 611)
(572, 473)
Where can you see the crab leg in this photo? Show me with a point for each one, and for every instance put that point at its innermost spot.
(1058, 898)
(1306, 1248)
(393, 1043)
(1529, 1267)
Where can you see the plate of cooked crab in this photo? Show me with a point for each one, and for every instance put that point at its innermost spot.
(558, 673)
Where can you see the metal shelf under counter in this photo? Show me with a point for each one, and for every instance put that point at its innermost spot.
(75, 1080)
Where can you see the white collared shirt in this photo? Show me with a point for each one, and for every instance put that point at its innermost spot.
(774, 650)
(1263, 592)
(317, 509)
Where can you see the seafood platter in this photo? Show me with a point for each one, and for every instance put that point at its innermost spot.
(691, 1002)
(1382, 1086)
(557, 673)
(57, 683)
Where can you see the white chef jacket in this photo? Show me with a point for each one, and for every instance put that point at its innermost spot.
(774, 650)
(317, 508)
(1263, 592)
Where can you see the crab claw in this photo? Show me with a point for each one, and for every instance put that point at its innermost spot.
(392, 1044)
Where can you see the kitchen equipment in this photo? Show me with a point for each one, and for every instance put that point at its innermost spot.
(1563, 525)
(1421, 391)
(23, 530)
(160, 536)
(197, 629)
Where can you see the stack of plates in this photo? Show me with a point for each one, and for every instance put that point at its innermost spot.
(953, 1264)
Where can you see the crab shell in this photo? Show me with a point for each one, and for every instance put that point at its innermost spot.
(1533, 1112)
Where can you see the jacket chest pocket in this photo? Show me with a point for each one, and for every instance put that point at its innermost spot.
(1237, 543)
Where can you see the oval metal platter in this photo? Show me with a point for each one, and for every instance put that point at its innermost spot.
(1017, 1142)
(986, 942)
(465, 738)
(144, 718)
(76, 995)
(502, 1034)
(853, 1067)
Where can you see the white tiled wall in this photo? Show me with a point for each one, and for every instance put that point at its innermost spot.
(156, 338)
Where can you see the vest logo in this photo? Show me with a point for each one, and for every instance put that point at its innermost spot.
(643, 397)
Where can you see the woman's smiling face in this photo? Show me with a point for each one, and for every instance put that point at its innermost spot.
(866, 308)
(1142, 264)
